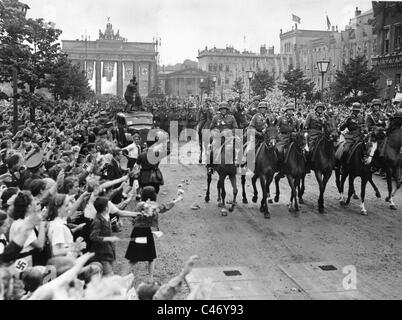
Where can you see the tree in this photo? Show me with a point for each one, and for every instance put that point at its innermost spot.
(262, 83)
(207, 86)
(295, 85)
(68, 80)
(356, 82)
(238, 86)
(14, 49)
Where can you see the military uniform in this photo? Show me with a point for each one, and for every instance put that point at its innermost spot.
(222, 122)
(286, 126)
(353, 123)
(315, 125)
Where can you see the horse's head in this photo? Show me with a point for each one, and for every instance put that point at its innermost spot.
(300, 139)
(272, 142)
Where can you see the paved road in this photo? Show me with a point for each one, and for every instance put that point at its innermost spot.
(373, 243)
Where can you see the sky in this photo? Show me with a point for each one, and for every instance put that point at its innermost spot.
(186, 26)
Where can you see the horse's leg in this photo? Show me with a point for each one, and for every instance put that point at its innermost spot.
(301, 190)
(377, 192)
(293, 194)
(254, 181)
(270, 177)
(264, 205)
(342, 187)
(219, 187)
(297, 196)
(268, 180)
(319, 178)
(243, 187)
(209, 179)
(363, 210)
(351, 190)
(200, 144)
(234, 186)
(278, 177)
(326, 177)
(223, 192)
(393, 174)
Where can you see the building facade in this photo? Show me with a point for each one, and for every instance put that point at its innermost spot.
(230, 64)
(183, 83)
(111, 61)
(388, 50)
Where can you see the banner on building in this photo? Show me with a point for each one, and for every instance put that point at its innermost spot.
(128, 71)
(90, 70)
(108, 69)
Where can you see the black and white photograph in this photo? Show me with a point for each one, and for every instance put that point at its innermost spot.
(187, 150)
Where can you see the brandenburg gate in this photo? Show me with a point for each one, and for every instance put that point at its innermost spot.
(111, 61)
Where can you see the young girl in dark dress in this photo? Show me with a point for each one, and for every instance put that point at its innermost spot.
(142, 245)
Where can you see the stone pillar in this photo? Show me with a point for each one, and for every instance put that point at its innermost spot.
(98, 79)
(150, 71)
(119, 80)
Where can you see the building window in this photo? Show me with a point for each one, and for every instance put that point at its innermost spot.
(219, 81)
(226, 81)
(215, 67)
(220, 67)
(386, 40)
(398, 78)
(227, 69)
(210, 68)
(398, 37)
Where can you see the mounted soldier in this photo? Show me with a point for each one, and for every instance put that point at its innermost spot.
(204, 117)
(315, 125)
(354, 123)
(287, 125)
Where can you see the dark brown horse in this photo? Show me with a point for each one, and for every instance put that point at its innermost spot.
(323, 162)
(266, 165)
(225, 167)
(391, 159)
(294, 168)
(356, 166)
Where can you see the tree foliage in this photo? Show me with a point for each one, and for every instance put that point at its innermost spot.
(207, 86)
(238, 86)
(296, 86)
(356, 82)
(262, 83)
(31, 47)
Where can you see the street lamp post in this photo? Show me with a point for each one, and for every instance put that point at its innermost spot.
(250, 75)
(322, 68)
(202, 88)
(389, 84)
(214, 82)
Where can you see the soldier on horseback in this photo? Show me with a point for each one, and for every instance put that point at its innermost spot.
(223, 120)
(287, 125)
(205, 115)
(354, 124)
(375, 124)
(315, 124)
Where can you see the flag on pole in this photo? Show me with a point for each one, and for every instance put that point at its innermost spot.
(328, 23)
(296, 19)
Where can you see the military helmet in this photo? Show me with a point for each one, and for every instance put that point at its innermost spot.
(223, 105)
(320, 105)
(356, 106)
(376, 102)
(263, 104)
(290, 106)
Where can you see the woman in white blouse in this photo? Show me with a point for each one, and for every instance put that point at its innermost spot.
(59, 235)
